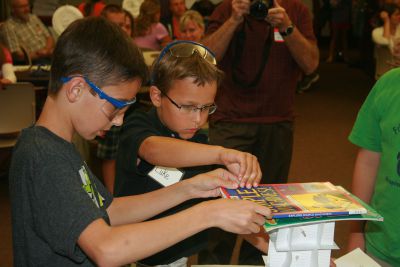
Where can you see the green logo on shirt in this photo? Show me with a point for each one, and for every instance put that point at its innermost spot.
(90, 188)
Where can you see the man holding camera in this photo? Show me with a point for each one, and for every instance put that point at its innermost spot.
(263, 46)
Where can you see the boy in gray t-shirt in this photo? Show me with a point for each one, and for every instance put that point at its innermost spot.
(62, 215)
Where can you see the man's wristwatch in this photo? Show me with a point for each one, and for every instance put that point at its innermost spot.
(288, 31)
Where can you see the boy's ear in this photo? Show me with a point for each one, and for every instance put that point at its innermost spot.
(74, 90)
(155, 96)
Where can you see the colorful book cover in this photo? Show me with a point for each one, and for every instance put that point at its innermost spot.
(371, 215)
(299, 199)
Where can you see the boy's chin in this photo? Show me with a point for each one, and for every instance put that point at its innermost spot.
(92, 136)
(186, 136)
(101, 134)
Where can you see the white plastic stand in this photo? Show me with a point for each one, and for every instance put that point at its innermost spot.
(307, 245)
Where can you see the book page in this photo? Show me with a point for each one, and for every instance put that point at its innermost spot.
(356, 258)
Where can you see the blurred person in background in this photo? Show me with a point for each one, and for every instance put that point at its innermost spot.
(149, 33)
(388, 31)
(340, 24)
(132, 6)
(192, 26)
(25, 33)
(129, 23)
(115, 14)
(177, 8)
(119, 16)
(385, 37)
(7, 74)
(262, 56)
(91, 7)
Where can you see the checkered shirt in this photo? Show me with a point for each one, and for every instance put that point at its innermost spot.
(32, 35)
(107, 146)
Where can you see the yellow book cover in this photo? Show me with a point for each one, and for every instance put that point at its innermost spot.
(299, 199)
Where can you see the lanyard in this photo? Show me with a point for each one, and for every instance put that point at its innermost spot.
(238, 54)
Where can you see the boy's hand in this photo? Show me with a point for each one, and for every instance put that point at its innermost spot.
(237, 216)
(242, 164)
(207, 184)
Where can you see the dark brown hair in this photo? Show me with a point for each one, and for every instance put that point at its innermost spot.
(111, 8)
(99, 50)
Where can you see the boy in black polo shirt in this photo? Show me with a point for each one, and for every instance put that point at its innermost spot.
(165, 145)
(62, 215)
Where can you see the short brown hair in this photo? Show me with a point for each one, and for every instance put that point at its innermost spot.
(171, 68)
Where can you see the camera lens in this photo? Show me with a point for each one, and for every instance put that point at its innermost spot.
(259, 8)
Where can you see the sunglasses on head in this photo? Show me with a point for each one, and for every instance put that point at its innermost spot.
(182, 49)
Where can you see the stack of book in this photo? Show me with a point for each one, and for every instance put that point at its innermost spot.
(303, 219)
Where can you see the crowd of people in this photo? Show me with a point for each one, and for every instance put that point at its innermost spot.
(230, 68)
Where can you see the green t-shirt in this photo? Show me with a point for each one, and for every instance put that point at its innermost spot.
(377, 129)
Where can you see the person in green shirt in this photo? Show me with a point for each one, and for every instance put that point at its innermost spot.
(376, 178)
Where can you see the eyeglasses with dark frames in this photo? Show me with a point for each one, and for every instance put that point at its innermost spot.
(192, 109)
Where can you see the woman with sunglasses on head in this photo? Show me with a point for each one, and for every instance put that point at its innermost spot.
(149, 33)
(62, 214)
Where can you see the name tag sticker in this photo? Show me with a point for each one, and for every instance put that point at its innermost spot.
(277, 36)
(166, 176)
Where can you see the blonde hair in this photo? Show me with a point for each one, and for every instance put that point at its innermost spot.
(191, 15)
(147, 16)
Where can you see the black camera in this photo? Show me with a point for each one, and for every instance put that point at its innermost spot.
(259, 8)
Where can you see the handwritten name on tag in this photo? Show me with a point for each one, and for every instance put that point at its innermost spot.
(277, 36)
(166, 176)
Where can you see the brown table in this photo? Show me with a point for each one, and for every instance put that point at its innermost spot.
(38, 78)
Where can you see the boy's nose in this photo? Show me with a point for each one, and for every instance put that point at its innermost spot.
(197, 116)
(118, 120)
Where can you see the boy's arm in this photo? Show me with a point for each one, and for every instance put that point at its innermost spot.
(118, 245)
(171, 152)
(364, 176)
(131, 209)
(259, 240)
